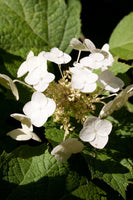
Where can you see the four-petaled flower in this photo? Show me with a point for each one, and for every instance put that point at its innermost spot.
(39, 78)
(110, 82)
(57, 56)
(24, 133)
(39, 109)
(98, 59)
(96, 131)
(83, 79)
(64, 150)
(31, 63)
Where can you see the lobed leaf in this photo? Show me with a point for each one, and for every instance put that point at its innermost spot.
(38, 25)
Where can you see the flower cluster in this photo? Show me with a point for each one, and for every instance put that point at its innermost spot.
(73, 95)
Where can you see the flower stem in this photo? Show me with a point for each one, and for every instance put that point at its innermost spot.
(78, 56)
(60, 70)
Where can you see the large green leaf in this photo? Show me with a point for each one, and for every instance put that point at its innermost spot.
(121, 40)
(114, 164)
(38, 25)
(33, 173)
(119, 67)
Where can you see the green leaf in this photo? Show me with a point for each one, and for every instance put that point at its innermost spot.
(119, 67)
(53, 132)
(113, 163)
(88, 192)
(32, 173)
(121, 40)
(38, 25)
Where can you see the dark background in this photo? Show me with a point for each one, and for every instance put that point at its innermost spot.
(100, 17)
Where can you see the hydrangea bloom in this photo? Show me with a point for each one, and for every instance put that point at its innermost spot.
(64, 150)
(39, 78)
(110, 82)
(57, 56)
(24, 133)
(83, 79)
(98, 59)
(39, 108)
(96, 131)
(7, 82)
(31, 63)
(117, 102)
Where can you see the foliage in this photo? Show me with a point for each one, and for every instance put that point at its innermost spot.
(27, 169)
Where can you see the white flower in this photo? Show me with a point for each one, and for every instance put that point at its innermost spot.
(39, 78)
(64, 150)
(24, 133)
(31, 63)
(7, 82)
(87, 45)
(96, 131)
(83, 79)
(98, 59)
(57, 56)
(39, 109)
(110, 82)
(117, 102)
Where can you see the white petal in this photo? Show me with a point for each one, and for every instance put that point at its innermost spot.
(20, 134)
(107, 109)
(34, 76)
(66, 58)
(76, 44)
(64, 150)
(35, 137)
(88, 88)
(41, 86)
(30, 54)
(25, 121)
(51, 106)
(30, 109)
(56, 51)
(23, 69)
(72, 145)
(62, 156)
(99, 142)
(39, 98)
(103, 127)
(105, 47)
(87, 134)
(77, 81)
(90, 121)
(49, 77)
(36, 113)
(110, 81)
(7, 82)
(39, 120)
(89, 44)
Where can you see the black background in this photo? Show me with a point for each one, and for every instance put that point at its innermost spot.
(100, 17)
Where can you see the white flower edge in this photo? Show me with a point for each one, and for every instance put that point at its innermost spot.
(57, 56)
(96, 131)
(31, 63)
(39, 109)
(24, 133)
(68, 147)
(117, 102)
(110, 82)
(39, 78)
(8, 83)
